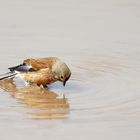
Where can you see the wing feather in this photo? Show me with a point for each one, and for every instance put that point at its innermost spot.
(34, 64)
(40, 63)
(21, 68)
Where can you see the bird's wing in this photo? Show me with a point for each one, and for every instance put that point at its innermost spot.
(21, 68)
(34, 64)
(40, 63)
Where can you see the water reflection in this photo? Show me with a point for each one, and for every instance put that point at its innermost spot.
(41, 103)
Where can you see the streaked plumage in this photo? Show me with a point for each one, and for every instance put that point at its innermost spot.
(42, 71)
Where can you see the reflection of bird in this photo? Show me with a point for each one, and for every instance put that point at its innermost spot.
(42, 71)
(43, 103)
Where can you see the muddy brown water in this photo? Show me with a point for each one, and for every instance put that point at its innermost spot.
(99, 40)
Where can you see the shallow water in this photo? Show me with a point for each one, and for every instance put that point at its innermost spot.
(99, 40)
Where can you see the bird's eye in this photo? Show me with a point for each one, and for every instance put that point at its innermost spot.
(62, 77)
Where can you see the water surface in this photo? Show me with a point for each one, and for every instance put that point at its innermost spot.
(99, 40)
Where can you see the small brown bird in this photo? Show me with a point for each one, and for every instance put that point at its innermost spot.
(42, 71)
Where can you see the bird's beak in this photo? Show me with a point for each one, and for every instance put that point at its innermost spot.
(64, 83)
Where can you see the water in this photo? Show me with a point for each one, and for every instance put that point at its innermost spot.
(99, 40)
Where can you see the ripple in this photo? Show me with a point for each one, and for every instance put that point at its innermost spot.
(102, 88)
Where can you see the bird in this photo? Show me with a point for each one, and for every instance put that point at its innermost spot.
(40, 71)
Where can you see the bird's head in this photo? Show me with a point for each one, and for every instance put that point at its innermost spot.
(61, 72)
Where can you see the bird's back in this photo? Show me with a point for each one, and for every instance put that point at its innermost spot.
(41, 63)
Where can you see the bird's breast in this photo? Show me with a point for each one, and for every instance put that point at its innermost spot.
(39, 78)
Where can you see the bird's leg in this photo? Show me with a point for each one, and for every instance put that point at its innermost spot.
(41, 86)
(26, 83)
(61, 96)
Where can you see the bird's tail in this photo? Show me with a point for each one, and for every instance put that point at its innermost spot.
(7, 75)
